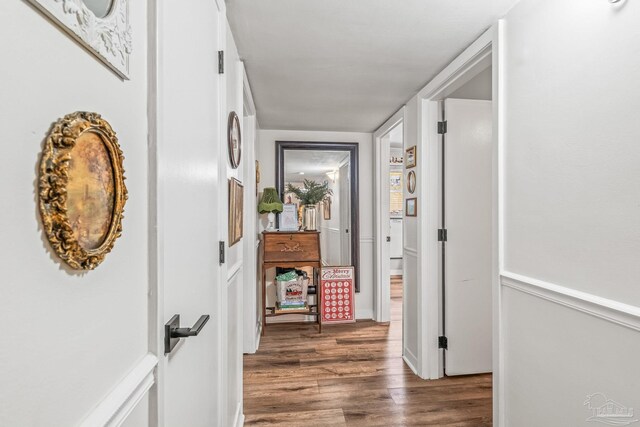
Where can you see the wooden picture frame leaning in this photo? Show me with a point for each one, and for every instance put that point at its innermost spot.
(81, 189)
(236, 194)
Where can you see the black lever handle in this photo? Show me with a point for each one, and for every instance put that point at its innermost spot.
(192, 331)
(173, 333)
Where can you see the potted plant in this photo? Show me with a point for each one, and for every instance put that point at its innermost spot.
(310, 195)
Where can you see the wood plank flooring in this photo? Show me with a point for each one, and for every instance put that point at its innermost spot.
(353, 375)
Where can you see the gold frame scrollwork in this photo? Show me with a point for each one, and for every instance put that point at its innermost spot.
(54, 178)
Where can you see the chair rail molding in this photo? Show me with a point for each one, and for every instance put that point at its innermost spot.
(108, 38)
(612, 311)
(118, 404)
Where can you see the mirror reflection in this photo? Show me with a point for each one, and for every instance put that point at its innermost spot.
(309, 171)
(100, 8)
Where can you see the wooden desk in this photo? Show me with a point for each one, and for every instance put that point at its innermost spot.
(290, 249)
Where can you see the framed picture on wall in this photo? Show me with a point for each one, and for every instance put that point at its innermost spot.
(101, 26)
(326, 208)
(411, 182)
(411, 207)
(236, 191)
(410, 157)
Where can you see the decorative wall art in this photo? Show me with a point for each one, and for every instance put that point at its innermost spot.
(234, 139)
(395, 194)
(101, 26)
(82, 191)
(326, 208)
(289, 218)
(411, 207)
(411, 182)
(411, 157)
(257, 176)
(235, 211)
(336, 295)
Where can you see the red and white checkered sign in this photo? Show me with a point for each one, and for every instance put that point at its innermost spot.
(336, 295)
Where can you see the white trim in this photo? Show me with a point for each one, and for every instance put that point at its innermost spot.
(114, 409)
(610, 310)
(411, 252)
(238, 419)
(233, 271)
(364, 314)
(410, 359)
(366, 240)
(474, 58)
(499, 132)
(396, 272)
(247, 94)
(381, 294)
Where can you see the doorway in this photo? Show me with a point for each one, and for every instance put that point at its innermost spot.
(466, 215)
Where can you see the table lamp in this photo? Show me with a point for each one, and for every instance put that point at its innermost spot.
(270, 204)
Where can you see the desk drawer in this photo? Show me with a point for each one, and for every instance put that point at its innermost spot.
(291, 247)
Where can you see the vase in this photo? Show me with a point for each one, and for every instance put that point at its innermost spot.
(310, 217)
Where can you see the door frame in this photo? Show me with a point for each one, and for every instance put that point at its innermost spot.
(382, 294)
(488, 48)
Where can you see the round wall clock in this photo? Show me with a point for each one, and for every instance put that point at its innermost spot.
(411, 182)
(234, 139)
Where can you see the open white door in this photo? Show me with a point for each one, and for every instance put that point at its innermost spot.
(188, 212)
(468, 261)
(344, 187)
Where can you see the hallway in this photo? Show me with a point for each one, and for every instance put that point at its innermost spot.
(353, 375)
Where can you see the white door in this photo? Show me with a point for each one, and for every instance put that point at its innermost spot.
(468, 196)
(345, 212)
(188, 211)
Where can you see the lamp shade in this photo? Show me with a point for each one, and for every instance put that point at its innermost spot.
(270, 202)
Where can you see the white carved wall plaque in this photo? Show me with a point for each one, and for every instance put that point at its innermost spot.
(100, 25)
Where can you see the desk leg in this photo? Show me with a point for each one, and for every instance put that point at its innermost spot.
(264, 300)
(319, 299)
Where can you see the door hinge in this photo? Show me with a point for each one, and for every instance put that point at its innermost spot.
(442, 235)
(442, 128)
(221, 62)
(221, 252)
(443, 342)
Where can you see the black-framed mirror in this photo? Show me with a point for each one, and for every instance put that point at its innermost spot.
(337, 164)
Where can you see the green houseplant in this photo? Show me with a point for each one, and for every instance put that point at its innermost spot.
(310, 195)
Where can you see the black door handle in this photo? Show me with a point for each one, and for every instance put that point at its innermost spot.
(173, 332)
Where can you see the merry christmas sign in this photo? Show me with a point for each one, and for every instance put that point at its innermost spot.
(336, 295)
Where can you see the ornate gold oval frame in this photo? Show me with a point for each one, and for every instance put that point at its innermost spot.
(54, 178)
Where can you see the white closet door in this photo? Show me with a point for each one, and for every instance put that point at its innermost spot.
(468, 160)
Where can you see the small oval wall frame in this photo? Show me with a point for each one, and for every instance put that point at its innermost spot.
(108, 37)
(411, 182)
(55, 175)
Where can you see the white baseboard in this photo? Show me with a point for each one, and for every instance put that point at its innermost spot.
(613, 311)
(411, 360)
(118, 404)
(238, 419)
(364, 314)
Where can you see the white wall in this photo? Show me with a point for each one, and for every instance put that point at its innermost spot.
(73, 335)
(364, 299)
(571, 211)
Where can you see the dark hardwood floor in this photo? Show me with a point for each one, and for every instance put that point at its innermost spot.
(353, 375)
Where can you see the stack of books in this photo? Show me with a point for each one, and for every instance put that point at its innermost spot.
(291, 306)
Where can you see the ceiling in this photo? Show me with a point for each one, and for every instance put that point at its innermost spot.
(347, 65)
(313, 164)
